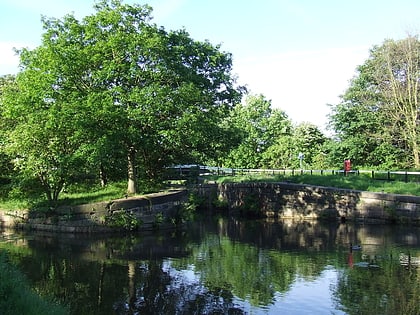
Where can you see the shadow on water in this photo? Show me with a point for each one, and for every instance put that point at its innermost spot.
(226, 266)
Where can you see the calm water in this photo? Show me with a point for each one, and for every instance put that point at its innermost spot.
(225, 266)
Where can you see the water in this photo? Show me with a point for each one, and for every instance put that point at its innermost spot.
(221, 266)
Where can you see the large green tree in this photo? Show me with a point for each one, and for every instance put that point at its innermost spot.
(377, 122)
(111, 84)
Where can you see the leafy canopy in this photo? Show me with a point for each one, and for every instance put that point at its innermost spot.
(113, 85)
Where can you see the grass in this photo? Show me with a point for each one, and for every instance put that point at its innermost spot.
(82, 194)
(74, 195)
(356, 182)
(16, 296)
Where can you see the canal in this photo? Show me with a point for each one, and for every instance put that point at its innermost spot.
(227, 266)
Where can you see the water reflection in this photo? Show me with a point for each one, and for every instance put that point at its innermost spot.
(225, 266)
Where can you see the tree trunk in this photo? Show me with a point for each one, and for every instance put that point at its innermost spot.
(131, 187)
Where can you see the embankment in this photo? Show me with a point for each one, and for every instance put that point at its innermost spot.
(150, 210)
(288, 200)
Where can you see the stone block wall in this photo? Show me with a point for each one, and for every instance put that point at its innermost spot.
(91, 217)
(288, 200)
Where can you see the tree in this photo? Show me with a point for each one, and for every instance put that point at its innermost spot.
(6, 167)
(164, 84)
(259, 126)
(115, 82)
(281, 154)
(309, 140)
(304, 138)
(376, 123)
(397, 77)
(44, 138)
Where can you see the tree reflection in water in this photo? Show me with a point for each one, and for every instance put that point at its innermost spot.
(226, 267)
(163, 290)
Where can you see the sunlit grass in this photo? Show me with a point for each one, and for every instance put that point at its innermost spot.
(14, 204)
(82, 194)
(73, 195)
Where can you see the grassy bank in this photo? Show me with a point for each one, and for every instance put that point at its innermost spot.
(72, 195)
(356, 182)
(16, 296)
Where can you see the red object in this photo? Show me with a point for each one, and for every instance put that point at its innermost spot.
(350, 260)
(347, 165)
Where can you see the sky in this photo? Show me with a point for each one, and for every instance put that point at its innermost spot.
(300, 54)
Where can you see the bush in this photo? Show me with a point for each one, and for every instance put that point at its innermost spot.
(123, 219)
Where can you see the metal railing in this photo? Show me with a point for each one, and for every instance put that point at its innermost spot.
(202, 170)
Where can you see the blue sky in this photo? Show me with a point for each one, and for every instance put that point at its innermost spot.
(300, 54)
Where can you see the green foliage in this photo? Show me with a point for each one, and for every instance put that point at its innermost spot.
(159, 219)
(267, 138)
(188, 209)
(281, 154)
(21, 197)
(112, 86)
(123, 219)
(16, 297)
(376, 123)
(309, 140)
(258, 126)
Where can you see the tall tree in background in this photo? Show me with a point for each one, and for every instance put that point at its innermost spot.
(305, 138)
(7, 82)
(309, 140)
(114, 82)
(259, 126)
(397, 77)
(377, 122)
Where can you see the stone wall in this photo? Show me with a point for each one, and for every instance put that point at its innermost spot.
(92, 217)
(288, 200)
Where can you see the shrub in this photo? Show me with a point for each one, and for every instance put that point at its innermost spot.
(123, 219)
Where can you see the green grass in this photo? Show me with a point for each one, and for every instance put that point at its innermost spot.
(16, 296)
(75, 195)
(357, 182)
(82, 194)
